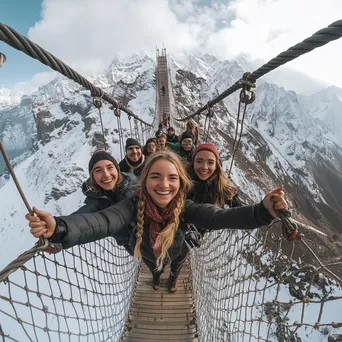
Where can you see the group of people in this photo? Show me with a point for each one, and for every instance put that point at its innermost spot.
(151, 217)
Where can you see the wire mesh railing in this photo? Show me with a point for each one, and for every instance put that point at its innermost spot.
(82, 294)
(256, 287)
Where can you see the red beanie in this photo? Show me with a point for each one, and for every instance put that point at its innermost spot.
(208, 147)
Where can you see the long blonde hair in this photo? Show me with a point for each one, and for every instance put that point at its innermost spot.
(166, 237)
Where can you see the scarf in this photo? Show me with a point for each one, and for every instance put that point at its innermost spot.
(133, 165)
(157, 220)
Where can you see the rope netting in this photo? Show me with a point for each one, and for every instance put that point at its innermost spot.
(256, 286)
(81, 294)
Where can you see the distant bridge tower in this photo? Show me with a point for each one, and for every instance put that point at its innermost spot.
(162, 87)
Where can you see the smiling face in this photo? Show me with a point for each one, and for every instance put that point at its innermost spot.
(105, 174)
(162, 182)
(151, 147)
(204, 164)
(162, 142)
(134, 153)
(187, 144)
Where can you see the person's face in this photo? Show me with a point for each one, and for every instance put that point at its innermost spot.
(170, 132)
(187, 144)
(204, 164)
(105, 174)
(151, 147)
(162, 142)
(134, 153)
(162, 182)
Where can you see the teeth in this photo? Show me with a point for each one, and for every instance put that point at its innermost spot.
(163, 192)
(107, 181)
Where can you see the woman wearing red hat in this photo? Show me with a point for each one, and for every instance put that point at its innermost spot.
(210, 184)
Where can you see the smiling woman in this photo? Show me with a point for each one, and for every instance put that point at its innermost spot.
(106, 184)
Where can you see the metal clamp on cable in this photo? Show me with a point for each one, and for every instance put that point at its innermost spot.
(117, 111)
(210, 112)
(97, 100)
(246, 86)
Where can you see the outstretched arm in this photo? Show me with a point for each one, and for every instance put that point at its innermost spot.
(210, 217)
(77, 229)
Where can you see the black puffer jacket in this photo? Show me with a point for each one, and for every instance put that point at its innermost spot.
(101, 199)
(116, 221)
(205, 192)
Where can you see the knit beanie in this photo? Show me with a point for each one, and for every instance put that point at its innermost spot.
(207, 147)
(187, 134)
(101, 155)
(131, 142)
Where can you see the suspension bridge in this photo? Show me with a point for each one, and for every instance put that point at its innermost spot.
(238, 286)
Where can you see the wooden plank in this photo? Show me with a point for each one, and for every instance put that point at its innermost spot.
(169, 316)
(162, 320)
(144, 338)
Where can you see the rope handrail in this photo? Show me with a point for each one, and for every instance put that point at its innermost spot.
(21, 43)
(318, 39)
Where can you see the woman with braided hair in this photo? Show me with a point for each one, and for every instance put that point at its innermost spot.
(162, 217)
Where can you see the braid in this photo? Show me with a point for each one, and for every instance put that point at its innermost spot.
(166, 237)
(140, 221)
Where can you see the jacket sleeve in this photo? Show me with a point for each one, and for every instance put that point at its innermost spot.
(174, 146)
(77, 229)
(90, 206)
(211, 217)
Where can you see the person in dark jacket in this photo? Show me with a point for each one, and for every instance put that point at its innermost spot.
(171, 136)
(134, 160)
(106, 186)
(162, 213)
(210, 184)
(185, 147)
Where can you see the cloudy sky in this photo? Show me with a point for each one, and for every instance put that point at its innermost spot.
(86, 34)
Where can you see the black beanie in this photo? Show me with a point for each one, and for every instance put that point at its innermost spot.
(131, 142)
(187, 134)
(101, 155)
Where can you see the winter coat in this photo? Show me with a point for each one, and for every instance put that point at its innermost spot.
(125, 167)
(97, 200)
(172, 139)
(205, 192)
(178, 148)
(101, 199)
(116, 221)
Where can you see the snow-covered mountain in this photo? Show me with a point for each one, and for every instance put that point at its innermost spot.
(289, 139)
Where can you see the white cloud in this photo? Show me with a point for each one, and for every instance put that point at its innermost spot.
(30, 86)
(87, 34)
